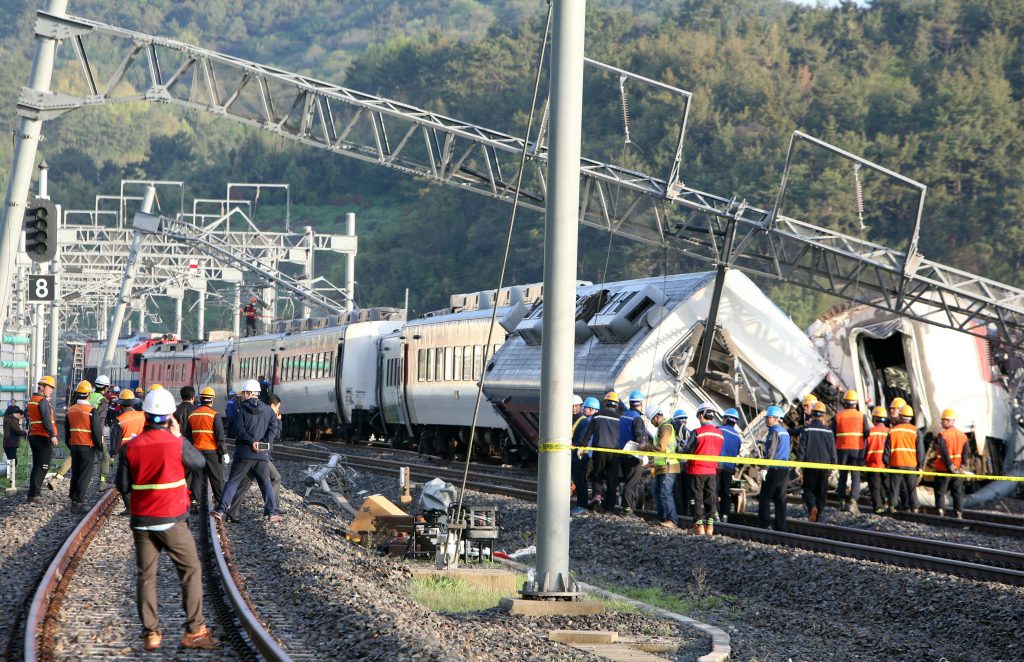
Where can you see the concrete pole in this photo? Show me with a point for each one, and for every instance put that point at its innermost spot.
(350, 265)
(126, 284)
(38, 367)
(201, 314)
(307, 310)
(560, 246)
(25, 146)
(55, 306)
(142, 316)
(236, 317)
(177, 315)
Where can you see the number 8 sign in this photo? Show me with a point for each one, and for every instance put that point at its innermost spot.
(41, 288)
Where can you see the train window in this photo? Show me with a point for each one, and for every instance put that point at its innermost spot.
(478, 361)
(467, 362)
(457, 370)
(421, 365)
(439, 363)
(430, 365)
(449, 358)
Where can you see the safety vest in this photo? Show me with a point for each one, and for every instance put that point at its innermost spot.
(80, 421)
(955, 442)
(95, 398)
(665, 464)
(876, 446)
(849, 430)
(132, 423)
(201, 421)
(158, 476)
(36, 427)
(250, 312)
(903, 446)
(709, 442)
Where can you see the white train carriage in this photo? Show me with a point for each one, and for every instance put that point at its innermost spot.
(356, 392)
(183, 363)
(646, 334)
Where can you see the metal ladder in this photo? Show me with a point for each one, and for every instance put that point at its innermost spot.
(77, 366)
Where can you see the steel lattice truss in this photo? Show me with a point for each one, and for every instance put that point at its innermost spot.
(445, 150)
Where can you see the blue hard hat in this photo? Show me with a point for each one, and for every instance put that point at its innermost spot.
(679, 413)
(591, 403)
(731, 413)
(636, 396)
(775, 410)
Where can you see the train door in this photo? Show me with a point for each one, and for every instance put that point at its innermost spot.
(885, 365)
(339, 408)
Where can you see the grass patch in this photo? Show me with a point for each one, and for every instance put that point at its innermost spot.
(453, 595)
(698, 597)
(24, 460)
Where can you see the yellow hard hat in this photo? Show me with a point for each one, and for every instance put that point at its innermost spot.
(810, 399)
(949, 413)
(611, 396)
(851, 396)
(84, 387)
(819, 407)
(879, 412)
(207, 393)
(127, 395)
(155, 387)
(48, 381)
(897, 403)
(906, 411)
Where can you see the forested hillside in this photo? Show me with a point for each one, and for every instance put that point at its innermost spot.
(931, 89)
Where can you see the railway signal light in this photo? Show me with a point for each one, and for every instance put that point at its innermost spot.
(40, 230)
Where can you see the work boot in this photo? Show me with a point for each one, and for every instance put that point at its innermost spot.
(940, 512)
(709, 528)
(79, 507)
(153, 640)
(813, 515)
(201, 638)
(853, 507)
(958, 515)
(698, 528)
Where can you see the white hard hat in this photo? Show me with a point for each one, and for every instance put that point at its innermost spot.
(707, 406)
(577, 400)
(654, 411)
(252, 386)
(102, 380)
(159, 402)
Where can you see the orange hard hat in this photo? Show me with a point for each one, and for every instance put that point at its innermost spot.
(810, 399)
(879, 412)
(851, 396)
(48, 381)
(949, 413)
(906, 411)
(897, 403)
(819, 407)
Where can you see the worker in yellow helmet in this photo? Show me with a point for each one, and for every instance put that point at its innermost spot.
(951, 451)
(83, 432)
(807, 404)
(42, 434)
(603, 432)
(851, 429)
(904, 449)
(205, 430)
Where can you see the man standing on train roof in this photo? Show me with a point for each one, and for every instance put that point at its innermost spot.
(255, 426)
(250, 317)
(100, 405)
(582, 411)
(951, 451)
(817, 444)
(726, 470)
(851, 429)
(666, 469)
(83, 432)
(878, 482)
(904, 449)
(602, 432)
(129, 424)
(42, 434)
(151, 469)
(206, 432)
(631, 429)
(776, 479)
(707, 440)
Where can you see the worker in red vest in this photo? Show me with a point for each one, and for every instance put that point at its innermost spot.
(904, 449)
(83, 433)
(206, 432)
(851, 429)
(151, 468)
(706, 440)
(951, 449)
(874, 456)
(250, 317)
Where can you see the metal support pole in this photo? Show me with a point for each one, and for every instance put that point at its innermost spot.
(177, 315)
(307, 309)
(201, 314)
(142, 315)
(25, 145)
(55, 305)
(126, 285)
(716, 298)
(350, 264)
(236, 317)
(557, 356)
(38, 367)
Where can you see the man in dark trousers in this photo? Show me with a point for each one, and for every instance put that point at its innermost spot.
(631, 429)
(581, 415)
(206, 432)
(186, 407)
(952, 450)
(250, 313)
(151, 469)
(42, 434)
(255, 427)
(730, 448)
(706, 440)
(83, 432)
(904, 449)
(275, 475)
(776, 480)
(817, 444)
(851, 429)
(603, 432)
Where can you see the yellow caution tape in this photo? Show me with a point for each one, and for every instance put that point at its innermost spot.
(764, 462)
(553, 447)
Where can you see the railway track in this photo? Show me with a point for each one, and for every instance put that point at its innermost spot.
(75, 574)
(979, 563)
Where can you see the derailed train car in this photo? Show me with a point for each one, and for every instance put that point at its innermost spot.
(646, 334)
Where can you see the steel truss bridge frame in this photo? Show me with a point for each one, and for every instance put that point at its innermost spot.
(663, 212)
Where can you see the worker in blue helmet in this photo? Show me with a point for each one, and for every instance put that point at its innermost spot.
(602, 432)
(581, 414)
(726, 470)
(776, 480)
(681, 489)
(633, 435)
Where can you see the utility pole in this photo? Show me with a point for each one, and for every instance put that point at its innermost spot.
(236, 316)
(177, 314)
(307, 309)
(350, 264)
(201, 313)
(557, 356)
(26, 142)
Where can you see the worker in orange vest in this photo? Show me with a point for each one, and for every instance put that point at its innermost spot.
(42, 434)
(874, 456)
(206, 432)
(951, 450)
(851, 429)
(83, 433)
(904, 449)
(128, 425)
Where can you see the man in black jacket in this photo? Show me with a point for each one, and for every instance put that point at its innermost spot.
(817, 444)
(256, 427)
(603, 432)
